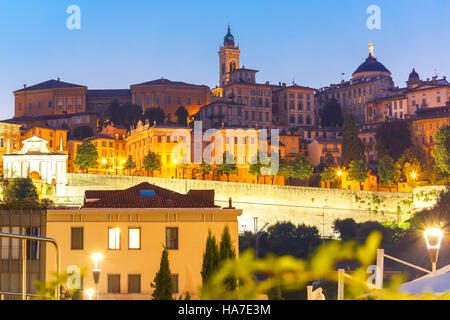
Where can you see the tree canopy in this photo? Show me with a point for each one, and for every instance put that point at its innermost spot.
(392, 139)
(182, 116)
(151, 162)
(227, 168)
(357, 171)
(87, 156)
(126, 115)
(20, 189)
(82, 132)
(441, 151)
(352, 146)
(331, 115)
(388, 171)
(130, 164)
(210, 258)
(155, 114)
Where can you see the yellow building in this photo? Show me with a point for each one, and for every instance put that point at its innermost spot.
(57, 138)
(160, 139)
(129, 229)
(9, 139)
(326, 151)
(111, 149)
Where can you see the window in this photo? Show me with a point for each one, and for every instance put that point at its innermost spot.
(179, 100)
(172, 238)
(134, 283)
(114, 238)
(157, 100)
(189, 101)
(134, 238)
(77, 238)
(174, 283)
(113, 283)
(199, 101)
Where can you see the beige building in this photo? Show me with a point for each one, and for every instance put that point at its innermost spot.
(129, 228)
(370, 81)
(326, 151)
(170, 95)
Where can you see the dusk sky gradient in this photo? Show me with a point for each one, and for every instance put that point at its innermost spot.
(127, 42)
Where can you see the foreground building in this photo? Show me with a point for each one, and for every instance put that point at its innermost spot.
(130, 228)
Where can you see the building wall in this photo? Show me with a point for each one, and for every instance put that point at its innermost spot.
(171, 97)
(9, 133)
(53, 136)
(269, 203)
(50, 101)
(294, 106)
(186, 261)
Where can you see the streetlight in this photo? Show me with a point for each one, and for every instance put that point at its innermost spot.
(90, 293)
(433, 237)
(104, 164)
(414, 176)
(339, 173)
(96, 272)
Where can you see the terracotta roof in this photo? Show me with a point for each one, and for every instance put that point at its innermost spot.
(50, 84)
(164, 81)
(132, 198)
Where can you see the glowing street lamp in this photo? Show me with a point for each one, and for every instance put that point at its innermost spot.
(433, 238)
(339, 173)
(90, 293)
(96, 272)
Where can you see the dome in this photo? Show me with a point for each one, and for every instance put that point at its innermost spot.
(228, 39)
(371, 65)
(413, 75)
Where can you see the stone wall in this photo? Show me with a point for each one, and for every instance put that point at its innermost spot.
(269, 203)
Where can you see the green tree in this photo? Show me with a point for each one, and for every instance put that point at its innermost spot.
(301, 167)
(204, 168)
(87, 156)
(392, 139)
(388, 171)
(113, 112)
(227, 168)
(255, 167)
(227, 252)
(352, 146)
(210, 258)
(182, 116)
(20, 189)
(331, 115)
(441, 153)
(130, 115)
(152, 161)
(329, 175)
(155, 114)
(358, 172)
(163, 280)
(130, 164)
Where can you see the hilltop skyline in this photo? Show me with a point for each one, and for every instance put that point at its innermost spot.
(285, 45)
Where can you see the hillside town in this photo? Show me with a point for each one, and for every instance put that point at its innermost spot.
(169, 173)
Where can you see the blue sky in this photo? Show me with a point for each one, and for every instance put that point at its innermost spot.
(126, 42)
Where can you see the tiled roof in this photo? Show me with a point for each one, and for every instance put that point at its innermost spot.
(132, 198)
(109, 93)
(50, 84)
(166, 82)
(50, 116)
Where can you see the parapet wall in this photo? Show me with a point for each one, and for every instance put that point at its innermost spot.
(269, 203)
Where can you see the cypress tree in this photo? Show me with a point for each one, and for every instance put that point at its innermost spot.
(227, 252)
(210, 258)
(163, 281)
(352, 146)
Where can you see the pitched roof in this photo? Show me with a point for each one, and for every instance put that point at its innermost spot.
(132, 198)
(50, 84)
(166, 82)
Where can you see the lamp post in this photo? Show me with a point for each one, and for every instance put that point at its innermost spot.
(339, 173)
(433, 237)
(414, 177)
(104, 164)
(96, 272)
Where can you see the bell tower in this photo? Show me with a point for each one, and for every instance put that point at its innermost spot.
(228, 58)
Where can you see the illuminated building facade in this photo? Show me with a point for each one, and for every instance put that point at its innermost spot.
(130, 228)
